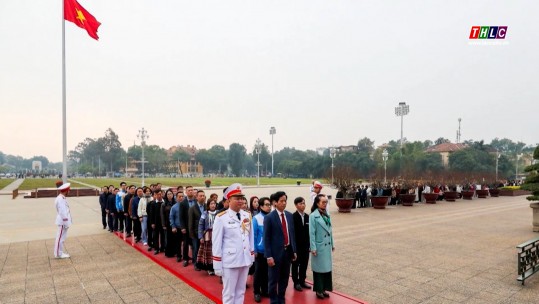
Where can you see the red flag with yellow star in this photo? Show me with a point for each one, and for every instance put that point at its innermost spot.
(75, 13)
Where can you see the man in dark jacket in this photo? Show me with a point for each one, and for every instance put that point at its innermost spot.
(187, 203)
(103, 205)
(363, 198)
(155, 222)
(193, 219)
(301, 229)
(126, 203)
(111, 209)
(134, 214)
(279, 247)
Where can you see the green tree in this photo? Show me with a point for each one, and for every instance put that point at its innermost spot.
(265, 157)
(472, 159)
(289, 167)
(112, 150)
(236, 158)
(108, 149)
(365, 145)
(214, 160)
(506, 146)
(180, 155)
(441, 140)
(156, 158)
(532, 181)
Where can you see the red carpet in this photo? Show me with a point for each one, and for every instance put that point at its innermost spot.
(210, 287)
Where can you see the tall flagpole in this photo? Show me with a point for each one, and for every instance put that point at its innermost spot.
(64, 132)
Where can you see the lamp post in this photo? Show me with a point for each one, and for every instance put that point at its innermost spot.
(332, 155)
(258, 146)
(401, 111)
(272, 132)
(497, 159)
(384, 157)
(126, 158)
(143, 135)
(516, 170)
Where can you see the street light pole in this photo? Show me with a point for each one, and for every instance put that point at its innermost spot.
(332, 155)
(384, 157)
(143, 135)
(497, 159)
(516, 170)
(401, 111)
(257, 151)
(272, 132)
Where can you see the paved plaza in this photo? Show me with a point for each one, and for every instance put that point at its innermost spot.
(459, 252)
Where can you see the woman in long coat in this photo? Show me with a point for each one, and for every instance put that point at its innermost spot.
(321, 237)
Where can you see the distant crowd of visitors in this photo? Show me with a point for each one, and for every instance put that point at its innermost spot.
(363, 193)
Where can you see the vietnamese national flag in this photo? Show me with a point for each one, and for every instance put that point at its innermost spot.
(75, 13)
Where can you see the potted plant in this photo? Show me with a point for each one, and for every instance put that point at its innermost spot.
(451, 195)
(467, 191)
(207, 183)
(379, 201)
(430, 197)
(344, 179)
(494, 190)
(298, 182)
(407, 193)
(482, 193)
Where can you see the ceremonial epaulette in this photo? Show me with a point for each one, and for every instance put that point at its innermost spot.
(221, 213)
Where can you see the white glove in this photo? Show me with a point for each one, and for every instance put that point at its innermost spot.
(218, 272)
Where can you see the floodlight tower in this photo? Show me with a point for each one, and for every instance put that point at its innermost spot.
(143, 135)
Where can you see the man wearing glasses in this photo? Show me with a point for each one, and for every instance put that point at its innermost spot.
(233, 246)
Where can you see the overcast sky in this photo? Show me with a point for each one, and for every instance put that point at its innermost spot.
(215, 72)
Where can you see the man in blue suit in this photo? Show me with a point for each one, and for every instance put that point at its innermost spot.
(279, 247)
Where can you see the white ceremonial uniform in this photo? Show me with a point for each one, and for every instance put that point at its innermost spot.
(233, 252)
(63, 221)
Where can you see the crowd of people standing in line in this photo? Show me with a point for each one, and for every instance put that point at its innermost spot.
(231, 238)
(363, 193)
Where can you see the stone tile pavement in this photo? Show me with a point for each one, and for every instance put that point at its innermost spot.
(461, 252)
(102, 269)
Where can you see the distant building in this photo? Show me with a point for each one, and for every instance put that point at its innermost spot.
(190, 168)
(191, 150)
(350, 148)
(37, 166)
(445, 149)
(320, 151)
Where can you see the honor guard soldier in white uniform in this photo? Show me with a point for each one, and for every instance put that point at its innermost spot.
(63, 220)
(233, 246)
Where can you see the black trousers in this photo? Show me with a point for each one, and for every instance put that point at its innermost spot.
(171, 246)
(176, 239)
(299, 267)
(186, 242)
(149, 229)
(137, 228)
(158, 238)
(104, 217)
(128, 223)
(120, 218)
(278, 276)
(260, 283)
(111, 222)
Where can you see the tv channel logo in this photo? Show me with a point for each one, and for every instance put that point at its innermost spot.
(488, 32)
